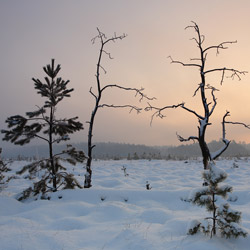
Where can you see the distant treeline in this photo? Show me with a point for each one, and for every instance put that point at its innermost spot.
(118, 151)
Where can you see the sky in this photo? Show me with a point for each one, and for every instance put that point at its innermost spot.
(33, 32)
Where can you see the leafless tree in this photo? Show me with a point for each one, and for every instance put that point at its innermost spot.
(101, 37)
(204, 89)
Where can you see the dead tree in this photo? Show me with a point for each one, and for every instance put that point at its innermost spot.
(204, 89)
(98, 96)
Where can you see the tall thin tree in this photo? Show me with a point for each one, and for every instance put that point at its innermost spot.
(98, 96)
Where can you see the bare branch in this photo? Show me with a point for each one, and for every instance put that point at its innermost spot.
(219, 46)
(38, 136)
(192, 111)
(115, 37)
(239, 123)
(205, 57)
(100, 36)
(235, 73)
(138, 110)
(195, 40)
(100, 66)
(195, 59)
(195, 26)
(195, 92)
(181, 139)
(104, 39)
(91, 92)
(184, 64)
(201, 38)
(108, 54)
(158, 112)
(138, 92)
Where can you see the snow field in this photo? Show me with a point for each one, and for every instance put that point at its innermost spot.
(118, 213)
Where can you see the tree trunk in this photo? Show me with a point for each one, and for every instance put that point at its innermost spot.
(205, 153)
(53, 170)
(88, 175)
(213, 232)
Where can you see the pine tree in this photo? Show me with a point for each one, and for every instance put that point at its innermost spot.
(223, 218)
(44, 125)
(3, 168)
(135, 156)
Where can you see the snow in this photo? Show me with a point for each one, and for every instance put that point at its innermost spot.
(214, 155)
(203, 123)
(193, 193)
(118, 212)
(225, 187)
(214, 174)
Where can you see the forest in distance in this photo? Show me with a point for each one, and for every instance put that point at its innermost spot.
(117, 151)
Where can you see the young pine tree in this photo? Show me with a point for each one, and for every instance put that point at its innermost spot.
(223, 218)
(3, 169)
(44, 125)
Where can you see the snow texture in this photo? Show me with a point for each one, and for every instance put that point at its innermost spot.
(219, 152)
(118, 212)
(215, 174)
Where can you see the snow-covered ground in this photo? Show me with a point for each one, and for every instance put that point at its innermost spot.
(118, 213)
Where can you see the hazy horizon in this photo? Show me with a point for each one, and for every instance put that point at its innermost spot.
(33, 32)
(118, 142)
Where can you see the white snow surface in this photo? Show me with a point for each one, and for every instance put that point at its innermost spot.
(118, 213)
(216, 173)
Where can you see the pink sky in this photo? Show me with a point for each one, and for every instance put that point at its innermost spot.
(33, 32)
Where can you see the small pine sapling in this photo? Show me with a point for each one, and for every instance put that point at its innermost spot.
(148, 187)
(124, 169)
(223, 218)
(44, 125)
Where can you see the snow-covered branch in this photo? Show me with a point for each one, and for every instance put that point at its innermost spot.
(225, 141)
(214, 98)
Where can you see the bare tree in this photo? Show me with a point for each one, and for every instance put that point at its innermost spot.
(205, 90)
(98, 96)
